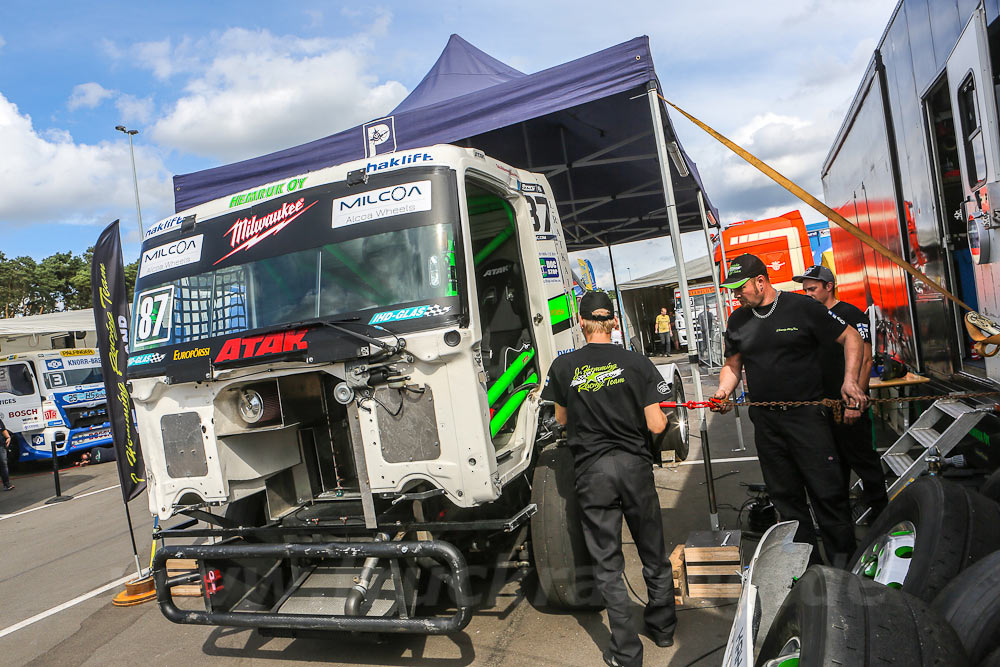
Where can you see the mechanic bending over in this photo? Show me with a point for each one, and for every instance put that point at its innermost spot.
(778, 338)
(608, 397)
(853, 436)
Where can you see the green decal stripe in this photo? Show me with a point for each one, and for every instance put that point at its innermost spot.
(510, 407)
(560, 308)
(504, 382)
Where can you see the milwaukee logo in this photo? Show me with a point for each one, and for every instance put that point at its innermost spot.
(245, 233)
(258, 346)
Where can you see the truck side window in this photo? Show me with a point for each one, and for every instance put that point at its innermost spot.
(16, 379)
(972, 133)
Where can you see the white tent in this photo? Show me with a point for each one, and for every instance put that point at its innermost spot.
(697, 269)
(69, 320)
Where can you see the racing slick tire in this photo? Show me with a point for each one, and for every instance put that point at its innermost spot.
(676, 435)
(562, 562)
(991, 487)
(832, 617)
(932, 530)
(971, 604)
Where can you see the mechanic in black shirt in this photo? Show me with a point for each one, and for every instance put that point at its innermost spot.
(853, 436)
(608, 397)
(777, 337)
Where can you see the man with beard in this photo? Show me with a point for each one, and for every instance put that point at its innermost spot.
(777, 337)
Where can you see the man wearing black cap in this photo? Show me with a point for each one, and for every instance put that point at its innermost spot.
(777, 336)
(608, 397)
(853, 435)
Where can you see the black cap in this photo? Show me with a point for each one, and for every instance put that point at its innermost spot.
(592, 301)
(742, 269)
(816, 272)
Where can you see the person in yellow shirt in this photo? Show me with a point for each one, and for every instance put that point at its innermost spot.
(663, 330)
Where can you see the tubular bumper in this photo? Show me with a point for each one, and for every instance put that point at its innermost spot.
(442, 552)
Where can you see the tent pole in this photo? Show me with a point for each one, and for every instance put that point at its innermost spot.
(618, 297)
(678, 248)
(716, 278)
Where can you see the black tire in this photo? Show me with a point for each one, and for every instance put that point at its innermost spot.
(841, 619)
(562, 562)
(971, 604)
(955, 528)
(992, 660)
(991, 487)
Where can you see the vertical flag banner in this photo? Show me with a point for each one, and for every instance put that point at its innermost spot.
(107, 279)
(587, 274)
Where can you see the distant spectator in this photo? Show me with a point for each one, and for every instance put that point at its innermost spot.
(663, 329)
(4, 473)
(98, 455)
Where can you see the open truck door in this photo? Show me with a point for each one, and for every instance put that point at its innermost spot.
(970, 88)
(19, 397)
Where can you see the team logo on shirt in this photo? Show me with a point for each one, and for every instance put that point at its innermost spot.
(595, 378)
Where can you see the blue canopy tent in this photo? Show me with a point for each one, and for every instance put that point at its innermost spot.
(594, 126)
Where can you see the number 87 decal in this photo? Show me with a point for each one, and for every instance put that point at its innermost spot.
(152, 316)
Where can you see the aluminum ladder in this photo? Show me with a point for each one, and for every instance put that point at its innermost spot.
(942, 425)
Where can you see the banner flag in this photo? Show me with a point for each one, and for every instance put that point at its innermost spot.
(107, 280)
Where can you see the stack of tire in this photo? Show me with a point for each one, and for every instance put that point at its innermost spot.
(944, 611)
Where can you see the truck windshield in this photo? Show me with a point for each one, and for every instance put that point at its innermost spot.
(382, 271)
(73, 377)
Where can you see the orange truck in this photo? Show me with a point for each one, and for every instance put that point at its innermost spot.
(782, 243)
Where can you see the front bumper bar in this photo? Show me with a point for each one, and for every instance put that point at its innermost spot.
(442, 552)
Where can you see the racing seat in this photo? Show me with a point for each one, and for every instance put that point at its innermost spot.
(504, 315)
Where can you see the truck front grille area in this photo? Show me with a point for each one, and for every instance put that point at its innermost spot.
(86, 417)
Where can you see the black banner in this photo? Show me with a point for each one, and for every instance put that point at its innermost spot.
(107, 280)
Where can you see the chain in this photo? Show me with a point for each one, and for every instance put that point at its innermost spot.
(771, 310)
(836, 405)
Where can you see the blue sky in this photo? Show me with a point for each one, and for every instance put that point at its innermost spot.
(209, 83)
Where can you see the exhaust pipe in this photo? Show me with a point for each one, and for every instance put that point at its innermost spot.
(356, 596)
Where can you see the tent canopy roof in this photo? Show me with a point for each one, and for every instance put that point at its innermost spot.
(696, 269)
(49, 323)
(585, 124)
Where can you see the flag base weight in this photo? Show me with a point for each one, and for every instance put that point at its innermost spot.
(136, 592)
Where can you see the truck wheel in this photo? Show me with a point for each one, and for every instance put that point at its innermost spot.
(971, 604)
(929, 533)
(991, 487)
(562, 562)
(677, 432)
(832, 617)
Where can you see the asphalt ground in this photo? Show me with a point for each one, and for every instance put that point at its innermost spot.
(55, 554)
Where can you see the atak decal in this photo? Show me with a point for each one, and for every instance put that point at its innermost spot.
(53, 364)
(496, 271)
(259, 346)
(383, 203)
(380, 136)
(171, 255)
(181, 355)
(267, 192)
(432, 310)
(148, 358)
(402, 161)
(245, 233)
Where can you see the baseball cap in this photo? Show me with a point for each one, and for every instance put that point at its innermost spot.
(742, 269)
(816, 272)
(592, 301)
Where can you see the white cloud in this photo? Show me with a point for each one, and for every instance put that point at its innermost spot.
(46, 176)
(88, 96)
(134, 109)
(3, 42)
(258, 92)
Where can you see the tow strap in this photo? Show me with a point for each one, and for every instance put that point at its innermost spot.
(983, 331)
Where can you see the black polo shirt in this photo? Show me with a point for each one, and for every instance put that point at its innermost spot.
(832, 357)
(781, 353)
(605, 390)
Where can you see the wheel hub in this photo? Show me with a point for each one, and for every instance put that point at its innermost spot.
(788, 656)
(887, 560)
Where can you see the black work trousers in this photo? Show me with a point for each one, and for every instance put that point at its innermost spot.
(621, 484)
(798, 457)
(854, 445)
(4, 472)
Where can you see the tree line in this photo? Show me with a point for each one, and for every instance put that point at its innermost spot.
(58, 282)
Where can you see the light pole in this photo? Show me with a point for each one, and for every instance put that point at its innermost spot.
(135, 179)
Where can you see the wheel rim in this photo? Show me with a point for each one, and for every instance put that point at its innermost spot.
(887, 559)
(680, 415)
(788, 656)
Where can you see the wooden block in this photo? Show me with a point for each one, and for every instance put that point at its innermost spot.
(712, 570)
(712, 554)
(727, 591)
(186, 591)
(677, 565)
(179, 565)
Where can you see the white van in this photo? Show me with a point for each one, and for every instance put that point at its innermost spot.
(55, 396)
